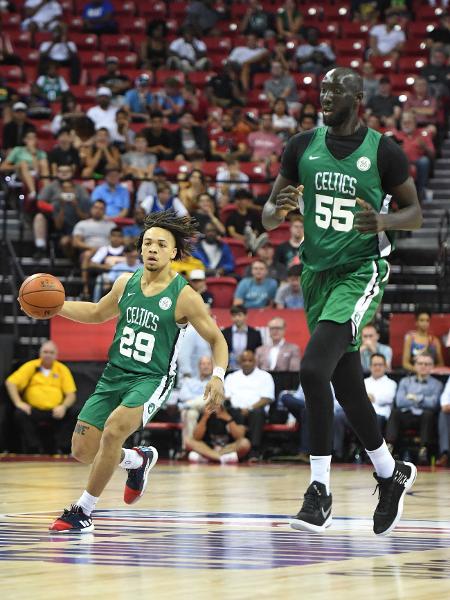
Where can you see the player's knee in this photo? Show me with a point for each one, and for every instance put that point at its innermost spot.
(82, 453)
(309, 372)
(114, 433)
(243, 447)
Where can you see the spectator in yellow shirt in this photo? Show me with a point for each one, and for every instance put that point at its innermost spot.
(43, 391)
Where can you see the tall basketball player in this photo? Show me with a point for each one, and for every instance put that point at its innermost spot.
(346, 175)
(154, 305)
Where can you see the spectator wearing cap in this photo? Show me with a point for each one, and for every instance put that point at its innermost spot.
(64, 153)
(265, 144)
(187, 53)
(189, 139)
(113, 79)
(140, 100)
(15, 131)
(240, 336)
(170, 100)
(61, 51)
(386, 39)
(214, 254)
(98, 17)
(103, 114)
(278, 355)
(290, 295)
(99, 157)
(158, 138)
(257, 291)
(265, 251)
(197, 281)
(115, 195)
(164, 200)
(384, 104)
(41, 16)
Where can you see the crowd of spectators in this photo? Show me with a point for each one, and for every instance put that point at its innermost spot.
(109, 114)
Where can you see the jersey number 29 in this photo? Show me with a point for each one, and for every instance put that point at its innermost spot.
(143, 345)
(331, 211)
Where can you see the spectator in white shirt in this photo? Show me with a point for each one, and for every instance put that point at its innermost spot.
(103, 114)
(41, 15)
(380, 389)
(251, 390)
(193, 349)
(248, 57)
(387, 39)
(444, 427)
(187, 53)
(61, 51)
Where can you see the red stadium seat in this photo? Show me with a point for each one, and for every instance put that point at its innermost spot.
(305, 80)
(177, 10)
(258, 99)
(237, 247)
(329, 29)
(420, 29)
(11, 22)
(21, 39)
(350, 62)
(126, 7)
(410, 64)
(280, 234)
(352, 47)
(241, 265)
(163, 74)
(222, 290)
(259, 79)
(200, 78)
(173, 167)
(402, 81)
(42, 36)
(254, 170)
(350, 29)
(74, 23)
(84, 41)
(91, 59)
(415, 47)
(132, 25)
(210, 168)
(11, 73)
(28, 56)
(382, 65)
(84, 93)
(428, 14)
(335, 12)
(238, 10)
(115, 42)
(218, 45)
(156, 10)
(226, 211)
(126, 59)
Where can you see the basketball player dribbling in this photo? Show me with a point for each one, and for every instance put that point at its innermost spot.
(154, 305)
(346, 175)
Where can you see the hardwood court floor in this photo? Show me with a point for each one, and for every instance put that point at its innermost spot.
(219, 532)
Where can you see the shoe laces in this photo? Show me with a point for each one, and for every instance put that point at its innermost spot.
(311, 501)
(385, 489)
(73, 510)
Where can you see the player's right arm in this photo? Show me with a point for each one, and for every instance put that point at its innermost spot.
(90, 312)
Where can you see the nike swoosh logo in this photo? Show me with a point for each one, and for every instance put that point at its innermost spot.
(325, 514)
(314, 157)
(131, 293)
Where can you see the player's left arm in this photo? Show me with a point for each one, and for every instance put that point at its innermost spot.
(190, 307)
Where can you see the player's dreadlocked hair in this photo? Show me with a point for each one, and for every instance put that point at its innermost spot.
(183, 230)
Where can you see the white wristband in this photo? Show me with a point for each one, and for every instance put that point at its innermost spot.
(219, 372)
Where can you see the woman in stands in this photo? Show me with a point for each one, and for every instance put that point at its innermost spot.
(420, 341)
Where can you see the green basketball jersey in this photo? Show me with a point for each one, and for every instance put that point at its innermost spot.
(147, 338)
(331, 187)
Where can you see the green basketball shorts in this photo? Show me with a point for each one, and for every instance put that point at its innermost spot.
(345, 293)
(117, 387)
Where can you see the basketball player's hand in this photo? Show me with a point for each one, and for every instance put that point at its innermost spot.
(214, 394)
(368, 220)
(290, 198)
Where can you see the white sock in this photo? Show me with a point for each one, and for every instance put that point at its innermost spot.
(40, 243)
(131, 459)
(382, 461)
(320, 470)
(87, 502)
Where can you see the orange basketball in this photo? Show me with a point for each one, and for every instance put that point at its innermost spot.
(41, 296)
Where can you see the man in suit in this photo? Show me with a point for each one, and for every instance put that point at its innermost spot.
(278, 355)
(240, 336)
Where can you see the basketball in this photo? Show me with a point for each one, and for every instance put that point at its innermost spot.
(41, 296)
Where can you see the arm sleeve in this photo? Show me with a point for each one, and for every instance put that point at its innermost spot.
(268, 389)
(241, 289)
(227, 262)
(400, 398)
(432, 394)
(294, 150)
(68, 383)
(22, 376)
(393, 165)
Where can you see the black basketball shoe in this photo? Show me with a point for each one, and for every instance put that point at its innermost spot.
(137, 478)
(73, 521)
(315, 514)
(391, 492)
